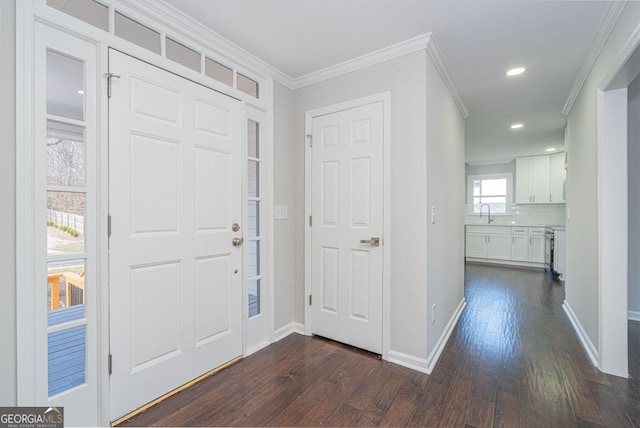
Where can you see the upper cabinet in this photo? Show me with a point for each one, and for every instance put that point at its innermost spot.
(540, 179)
(557, 177)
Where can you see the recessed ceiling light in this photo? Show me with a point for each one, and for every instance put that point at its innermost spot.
(80, 91)
(516, 71)
(550, 149)
(517, 126)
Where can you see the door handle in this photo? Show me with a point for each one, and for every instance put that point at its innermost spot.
(237, 242)
(374, 241)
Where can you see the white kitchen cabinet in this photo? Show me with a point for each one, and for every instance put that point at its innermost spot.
(557, 177)
(488, 242)
(499, 246)
(536, 244)
(532, 180)
(520, 244)
(476, 245)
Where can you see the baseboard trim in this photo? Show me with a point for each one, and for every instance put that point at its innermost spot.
(432, 359)
(588, 346)
(286, 330)
(515, 263)
(256, 348)
(634, 315)
(409, 361)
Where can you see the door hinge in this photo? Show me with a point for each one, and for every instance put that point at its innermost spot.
(310, 220)
(310, 137)
(109, 226)
(310, 299)
(110, 76)
(110, 365)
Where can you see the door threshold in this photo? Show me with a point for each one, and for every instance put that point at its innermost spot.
(174, 391)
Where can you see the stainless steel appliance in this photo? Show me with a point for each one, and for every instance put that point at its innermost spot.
(549, 248)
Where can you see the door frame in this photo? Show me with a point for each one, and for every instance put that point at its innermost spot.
(613, 229)
(385, 98)
(183, 29)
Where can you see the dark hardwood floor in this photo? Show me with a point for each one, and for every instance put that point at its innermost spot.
(513, 360)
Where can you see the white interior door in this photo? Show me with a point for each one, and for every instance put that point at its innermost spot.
(175, 192)
(347, 218)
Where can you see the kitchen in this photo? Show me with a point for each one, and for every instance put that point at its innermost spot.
(515, 212)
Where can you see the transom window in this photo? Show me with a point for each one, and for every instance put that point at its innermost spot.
(492, 189)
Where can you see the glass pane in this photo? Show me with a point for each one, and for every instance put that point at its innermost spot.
(254, 298)
(253, 229)
(137, 33)
(476, 187)
(65, 222)
(254, 258)
(65, 291)
(65, 86)
(253, 139)
(253, 183)
(246, 85)
(65, 154)
(88, 11)
(494, 187)
(66, 359)
(182, 55)
(218, 71)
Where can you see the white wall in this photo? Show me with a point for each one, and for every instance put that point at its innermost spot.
(634, 195)
(445, 182)
(408, 78)
(582, 250)
(8, 206)
(283, 195)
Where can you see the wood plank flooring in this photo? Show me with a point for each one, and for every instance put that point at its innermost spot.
(513, 360)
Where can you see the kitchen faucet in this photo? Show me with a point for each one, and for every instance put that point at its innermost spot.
(489, 219)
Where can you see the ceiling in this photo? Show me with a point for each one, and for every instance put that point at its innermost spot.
(479, 41)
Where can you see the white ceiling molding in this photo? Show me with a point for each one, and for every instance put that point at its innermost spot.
(614, 10)
(190, 28)
(436, 56)
(363, 61)
(490, 162)
(625, 66)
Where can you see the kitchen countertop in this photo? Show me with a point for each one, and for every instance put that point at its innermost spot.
(554, 226)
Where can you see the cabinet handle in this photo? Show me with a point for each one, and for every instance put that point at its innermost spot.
(529, 240)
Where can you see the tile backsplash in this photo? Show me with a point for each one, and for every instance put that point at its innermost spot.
(533, 215)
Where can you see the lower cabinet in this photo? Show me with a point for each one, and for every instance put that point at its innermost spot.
(517, 244)
(536, 247)
(498, 246)
(488, 242)
(520, 248)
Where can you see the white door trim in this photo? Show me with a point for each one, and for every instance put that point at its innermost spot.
(613, 231)
(385, 98)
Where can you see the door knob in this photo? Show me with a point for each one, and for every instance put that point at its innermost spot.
(235, 227)
(374, 241)
(237, 242)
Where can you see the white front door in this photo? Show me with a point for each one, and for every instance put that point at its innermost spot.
(174, 194)
(347, 226)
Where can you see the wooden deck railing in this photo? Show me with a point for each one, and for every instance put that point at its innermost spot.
(72, 279)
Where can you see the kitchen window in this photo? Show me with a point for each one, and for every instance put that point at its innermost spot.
(492, 189)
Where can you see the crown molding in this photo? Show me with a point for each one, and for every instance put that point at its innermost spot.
(608, 22)
(616, 78)
(424, 42)
(191, 28)
(363, 61)
(434, 52)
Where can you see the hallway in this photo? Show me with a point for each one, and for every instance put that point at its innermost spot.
(513, 360)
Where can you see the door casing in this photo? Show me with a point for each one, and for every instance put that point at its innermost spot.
(385, 98)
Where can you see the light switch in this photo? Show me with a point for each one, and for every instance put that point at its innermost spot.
(281, 212)
(433, 215)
